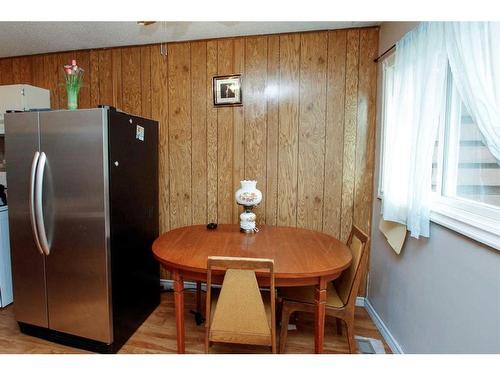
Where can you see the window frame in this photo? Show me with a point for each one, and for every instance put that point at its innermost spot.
(473, 219)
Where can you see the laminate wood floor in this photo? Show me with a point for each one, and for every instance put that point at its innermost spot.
(157, 334)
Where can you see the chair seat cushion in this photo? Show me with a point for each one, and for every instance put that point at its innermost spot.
(306, 294)
(239, 314)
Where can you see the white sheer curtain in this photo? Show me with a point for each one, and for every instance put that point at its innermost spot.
(474, 55)
(411, 128)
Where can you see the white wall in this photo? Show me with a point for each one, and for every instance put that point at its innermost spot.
(3, 180)
(442, 294)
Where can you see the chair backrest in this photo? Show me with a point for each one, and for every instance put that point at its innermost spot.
(347, 284)
(260, 265)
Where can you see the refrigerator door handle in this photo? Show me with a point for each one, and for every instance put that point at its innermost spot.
(38, 204)
(34, 165)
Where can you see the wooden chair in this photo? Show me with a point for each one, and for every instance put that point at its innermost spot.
(238, 314)
(341, 294)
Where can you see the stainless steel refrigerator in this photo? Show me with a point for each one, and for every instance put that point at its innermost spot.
(83, 214)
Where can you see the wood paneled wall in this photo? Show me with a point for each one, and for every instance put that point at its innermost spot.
(306, 130)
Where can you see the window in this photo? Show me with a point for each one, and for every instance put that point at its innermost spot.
(465, 175)
(472, 172)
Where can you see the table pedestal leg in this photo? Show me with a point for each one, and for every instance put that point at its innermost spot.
(319, 322)
(179, 309)
(198, 297)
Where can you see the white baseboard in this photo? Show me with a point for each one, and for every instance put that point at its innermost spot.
(169, 284)
(360, 301)
(384, 331)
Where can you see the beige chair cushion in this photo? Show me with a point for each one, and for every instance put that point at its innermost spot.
(239, 314)
(306, 294)
(344, 283)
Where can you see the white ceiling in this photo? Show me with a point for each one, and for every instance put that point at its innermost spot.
(27, 38)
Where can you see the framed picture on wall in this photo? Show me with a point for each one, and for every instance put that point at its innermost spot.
(227, 90)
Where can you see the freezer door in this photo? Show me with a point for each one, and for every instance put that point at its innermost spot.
(28, 269)
(75, 213)
(134, 220)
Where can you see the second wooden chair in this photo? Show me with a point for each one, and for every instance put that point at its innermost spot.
(341, 294)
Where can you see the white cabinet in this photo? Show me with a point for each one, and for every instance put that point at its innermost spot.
(22, 98)
(6, 295)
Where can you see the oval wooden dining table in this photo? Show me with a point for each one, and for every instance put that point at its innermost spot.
(301, 257)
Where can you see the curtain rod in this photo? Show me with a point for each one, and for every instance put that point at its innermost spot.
(385, 53)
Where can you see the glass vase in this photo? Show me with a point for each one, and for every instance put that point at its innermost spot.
(72, 97)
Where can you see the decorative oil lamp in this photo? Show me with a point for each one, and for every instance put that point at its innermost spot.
(249, 197)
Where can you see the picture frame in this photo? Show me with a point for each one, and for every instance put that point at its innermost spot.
(227, 91)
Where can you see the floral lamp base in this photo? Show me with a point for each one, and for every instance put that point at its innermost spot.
(247, 221)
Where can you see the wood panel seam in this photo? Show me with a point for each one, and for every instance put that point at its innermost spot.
(325, 137)
(298, 135)
(343, 145)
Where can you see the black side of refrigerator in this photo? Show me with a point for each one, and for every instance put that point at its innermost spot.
(134, 221)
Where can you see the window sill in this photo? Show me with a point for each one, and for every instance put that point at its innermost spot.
(479, 228)
(476, 227)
